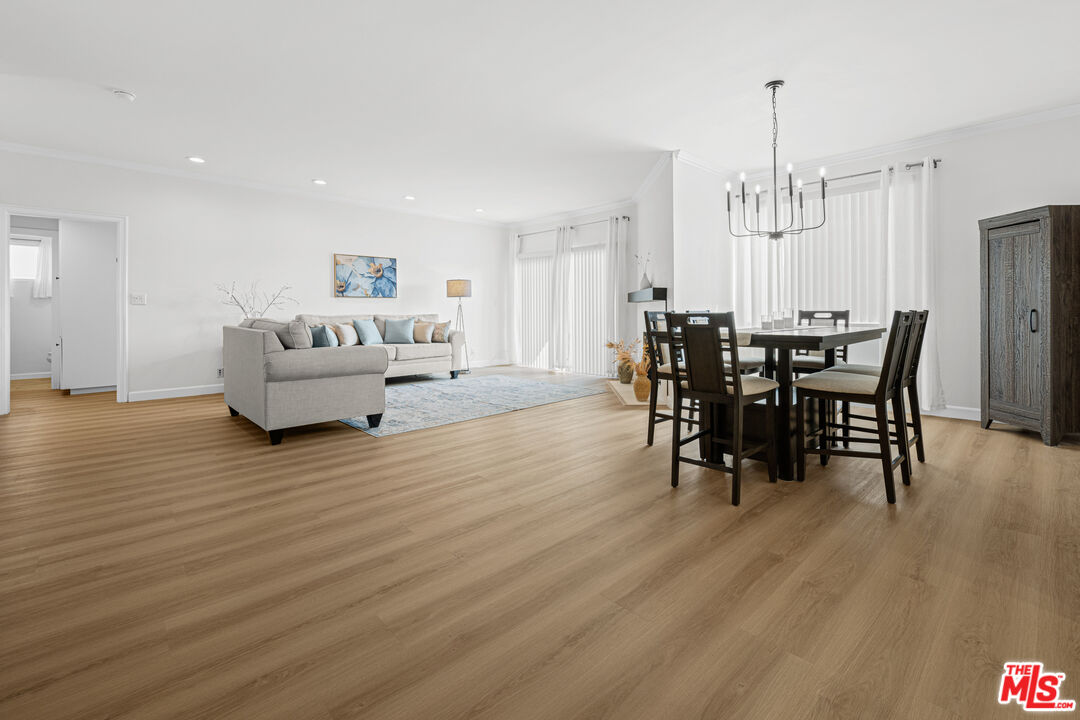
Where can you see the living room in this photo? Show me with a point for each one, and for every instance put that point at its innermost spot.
(380, 389)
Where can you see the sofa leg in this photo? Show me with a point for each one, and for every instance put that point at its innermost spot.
(374, 420)
(454, 374)
(275, 436)
(233, 411)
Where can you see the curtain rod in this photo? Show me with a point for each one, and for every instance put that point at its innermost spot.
(572, 227)
(907, 166)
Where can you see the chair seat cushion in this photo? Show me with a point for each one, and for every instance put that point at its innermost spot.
(857, 368)
(420, 351)
(834, 381)
(752, 385)
(749, 364)
(811, 362)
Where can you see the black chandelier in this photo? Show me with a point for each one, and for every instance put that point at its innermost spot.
(791, 228)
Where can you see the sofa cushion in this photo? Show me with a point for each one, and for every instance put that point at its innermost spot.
(314, 363)
(420, 351)
(346, 334)
(293, 334)
(320, 337)
(422, 332)
(441, 332)
(399, 331)
(369, 334)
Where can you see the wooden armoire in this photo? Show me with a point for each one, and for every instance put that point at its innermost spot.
(1030, 263)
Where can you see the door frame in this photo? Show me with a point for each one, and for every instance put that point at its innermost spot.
(6, 212)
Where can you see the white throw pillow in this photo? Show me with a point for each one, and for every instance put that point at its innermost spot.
(346, 334)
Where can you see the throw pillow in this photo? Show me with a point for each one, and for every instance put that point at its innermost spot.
(399, 331)
(294, 334)
(346, 334)
(422, 332)
(320, 336)
(441, 333)
(368, 332)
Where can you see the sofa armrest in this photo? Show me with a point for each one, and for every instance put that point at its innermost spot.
(244, 352)
(457, 349)
(316, 363)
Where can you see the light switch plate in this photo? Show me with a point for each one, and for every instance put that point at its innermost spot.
(138, 298)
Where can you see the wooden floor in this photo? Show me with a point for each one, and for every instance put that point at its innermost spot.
(162, 560)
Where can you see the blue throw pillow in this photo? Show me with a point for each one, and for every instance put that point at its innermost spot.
(400, 331)
(322, 336)
(369, 334)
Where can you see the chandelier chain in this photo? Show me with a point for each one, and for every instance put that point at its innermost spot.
(775, 124)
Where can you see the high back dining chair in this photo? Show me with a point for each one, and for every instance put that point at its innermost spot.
(706, 351)
(880, 391)
(658, 345)
(910, 380)
(814, 361)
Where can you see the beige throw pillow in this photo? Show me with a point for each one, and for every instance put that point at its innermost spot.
(441, 333)
(422, 332)
(346, 334)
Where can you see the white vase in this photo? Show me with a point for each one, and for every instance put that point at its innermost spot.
(645, 284)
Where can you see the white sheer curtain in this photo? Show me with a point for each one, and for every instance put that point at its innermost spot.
(43, 278)
(566, 287)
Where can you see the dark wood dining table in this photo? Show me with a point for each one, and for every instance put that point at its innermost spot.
(779, 346)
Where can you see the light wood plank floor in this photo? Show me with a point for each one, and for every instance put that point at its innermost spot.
(162, 560)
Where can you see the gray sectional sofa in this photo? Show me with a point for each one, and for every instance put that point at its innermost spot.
(274, 377)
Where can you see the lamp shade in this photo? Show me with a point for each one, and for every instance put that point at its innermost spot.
(459, 288)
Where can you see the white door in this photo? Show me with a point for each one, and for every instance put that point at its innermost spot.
(87, 299)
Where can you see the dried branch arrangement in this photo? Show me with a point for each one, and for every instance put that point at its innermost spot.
(254, 302)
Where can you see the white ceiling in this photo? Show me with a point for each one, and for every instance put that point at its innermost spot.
(523, 108)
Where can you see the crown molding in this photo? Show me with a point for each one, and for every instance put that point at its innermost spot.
(700, 164)
(1010, 122)
(55, 154)
(558, 218)
(654, 173)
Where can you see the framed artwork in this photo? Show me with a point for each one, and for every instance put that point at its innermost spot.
(365, 276)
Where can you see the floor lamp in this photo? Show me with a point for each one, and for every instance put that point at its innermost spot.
(460, 289)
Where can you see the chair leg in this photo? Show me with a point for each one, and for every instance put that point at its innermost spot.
(916, 420)
(736, 454)
(676, 436)
(886, 451)
(846, 410)
(901, 437)
(770, 428)
(825, 408)
(800, 435)
(652, 410)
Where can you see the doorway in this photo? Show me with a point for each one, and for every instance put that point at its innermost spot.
(71, 326)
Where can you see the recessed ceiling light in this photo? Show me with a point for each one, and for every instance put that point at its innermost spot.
(319, 181)
(196, 159)
(124, 95)
(409, 197)
(479, 209)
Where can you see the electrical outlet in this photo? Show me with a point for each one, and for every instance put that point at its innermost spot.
(138, 298)
(221, 372)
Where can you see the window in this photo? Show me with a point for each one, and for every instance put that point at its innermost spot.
(24, 260)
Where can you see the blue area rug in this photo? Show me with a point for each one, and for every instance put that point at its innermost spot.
(416, 406)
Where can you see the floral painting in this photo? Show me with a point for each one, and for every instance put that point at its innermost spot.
(365, 276)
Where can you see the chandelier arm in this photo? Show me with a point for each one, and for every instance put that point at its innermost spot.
(823, 213)
(732, 231)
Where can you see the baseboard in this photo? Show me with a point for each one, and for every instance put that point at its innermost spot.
(956, 411)
(31, 376)
(166, 393)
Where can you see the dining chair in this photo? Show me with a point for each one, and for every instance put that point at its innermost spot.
(808, 361)
(804, 361)
(705, 348)
(879, 391)
(658, 345)
(910, 381)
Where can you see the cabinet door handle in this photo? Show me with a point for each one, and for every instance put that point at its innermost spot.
(1033, 320)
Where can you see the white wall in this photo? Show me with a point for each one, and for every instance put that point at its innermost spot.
(31, 330)
(983, 174)
(654, 235)
(184, 236)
